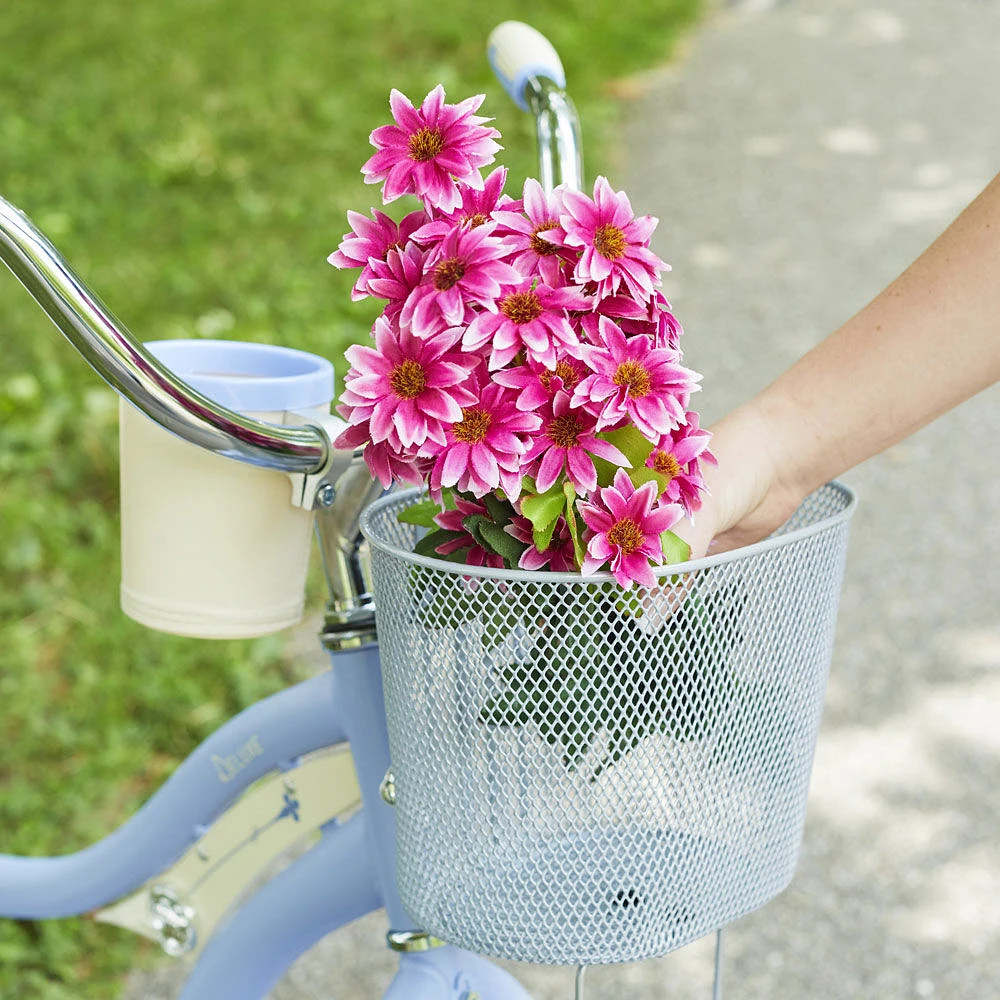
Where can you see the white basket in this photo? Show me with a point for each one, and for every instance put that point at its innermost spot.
(576, 784)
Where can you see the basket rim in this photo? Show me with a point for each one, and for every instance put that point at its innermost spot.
(399, 497)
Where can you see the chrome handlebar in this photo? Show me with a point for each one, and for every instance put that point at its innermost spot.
(132, 371)
(557, 129)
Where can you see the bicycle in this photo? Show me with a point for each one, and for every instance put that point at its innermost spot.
(314, 757)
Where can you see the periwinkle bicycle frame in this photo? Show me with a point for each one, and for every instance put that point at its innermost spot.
(351, 870)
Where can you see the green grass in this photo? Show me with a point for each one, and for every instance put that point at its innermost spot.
(193, 159)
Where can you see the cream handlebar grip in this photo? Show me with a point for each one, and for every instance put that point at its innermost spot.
(516, 52)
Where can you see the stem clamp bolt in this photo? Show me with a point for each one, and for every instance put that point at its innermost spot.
(325, 495)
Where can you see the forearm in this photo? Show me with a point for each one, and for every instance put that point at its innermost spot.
(929, 341)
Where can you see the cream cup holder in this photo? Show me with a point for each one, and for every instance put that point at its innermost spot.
(213, 547)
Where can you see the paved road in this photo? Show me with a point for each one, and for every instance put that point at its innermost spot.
(798, 155)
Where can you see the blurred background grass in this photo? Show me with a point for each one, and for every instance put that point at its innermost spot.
(193, 159)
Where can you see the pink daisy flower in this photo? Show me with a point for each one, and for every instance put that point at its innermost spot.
(372, 240)
(451, 520)
(634, 380)
(560, 556)
(537, 385)
(624, 529)
(567, 441)
(620, 308)
(535, 235)
(407, 389)
(485, 448)
(615, 244)
(477, 209)
(677, 457)
(430, 148)
(658, 322)
(463, 271)
(395, 278)
(528, 318)
(388, 463)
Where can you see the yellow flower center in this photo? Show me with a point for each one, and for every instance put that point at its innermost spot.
(449, 273)
(564, 431)
(425, 144)
(634, 377)
(475, 220)
(473, 426)
(666, 465)
(408, 379)
(609, 241)
(625, 536)
(543, 247)
(569, 375)
(521, 307)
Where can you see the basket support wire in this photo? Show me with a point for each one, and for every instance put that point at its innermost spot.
(716, 982)
(719, 948)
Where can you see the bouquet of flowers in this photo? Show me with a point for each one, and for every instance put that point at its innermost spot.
(526, 368)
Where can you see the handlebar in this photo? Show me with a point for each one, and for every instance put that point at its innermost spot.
(131, 370)
(531, 72)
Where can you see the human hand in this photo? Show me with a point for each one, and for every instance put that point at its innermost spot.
(751, 492)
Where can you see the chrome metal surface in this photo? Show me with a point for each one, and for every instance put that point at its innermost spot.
(578, 985)
(325, 495)
(408, 941)
(131, 370)
(388, 789)
(346, 561)
(172, 921)
(557, 127)
(719, 949)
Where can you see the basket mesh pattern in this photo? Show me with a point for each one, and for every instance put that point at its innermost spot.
(583, 779)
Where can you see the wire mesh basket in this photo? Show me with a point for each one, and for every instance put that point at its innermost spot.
(586, 776)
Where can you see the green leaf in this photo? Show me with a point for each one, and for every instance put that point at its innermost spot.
(631, 443)
(472, 524)
(500, 510)
(541, 509)
(427, 546)
(641, 475)
(574, 529)
(542, 537)
(421, 513)
(675, 549)
(498, 541)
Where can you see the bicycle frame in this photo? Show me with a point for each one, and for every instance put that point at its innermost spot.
(281, 764)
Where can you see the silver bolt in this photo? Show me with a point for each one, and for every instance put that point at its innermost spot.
(172, 921)
(325, 495)
(388, 788)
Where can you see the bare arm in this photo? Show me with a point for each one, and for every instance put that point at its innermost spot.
(925, 344)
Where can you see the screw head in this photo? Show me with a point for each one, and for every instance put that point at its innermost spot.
(388, 788)
(325, 495)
